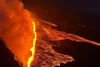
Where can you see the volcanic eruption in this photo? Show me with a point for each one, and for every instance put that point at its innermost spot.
(31, 39)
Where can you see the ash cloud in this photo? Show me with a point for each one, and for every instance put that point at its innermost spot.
(16, 29)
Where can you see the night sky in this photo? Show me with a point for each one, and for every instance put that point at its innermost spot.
(81, 17)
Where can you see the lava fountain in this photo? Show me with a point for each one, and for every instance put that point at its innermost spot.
(31, 40)
(33, 47)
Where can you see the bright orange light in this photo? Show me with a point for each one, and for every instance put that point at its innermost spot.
(30, 59)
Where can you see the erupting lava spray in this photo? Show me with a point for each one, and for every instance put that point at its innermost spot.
(33, 47)
(22, 35)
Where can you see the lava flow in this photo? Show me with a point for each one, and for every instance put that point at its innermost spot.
(33, 47)
(23, 35)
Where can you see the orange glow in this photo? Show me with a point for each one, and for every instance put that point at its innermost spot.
(30, 59)
(23, 36)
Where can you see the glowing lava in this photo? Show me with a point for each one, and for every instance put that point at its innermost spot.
(20, 34)
(30, 59)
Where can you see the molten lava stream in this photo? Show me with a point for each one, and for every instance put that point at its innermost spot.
(31, 58)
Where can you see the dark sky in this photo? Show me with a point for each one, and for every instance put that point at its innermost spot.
(90, 6)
